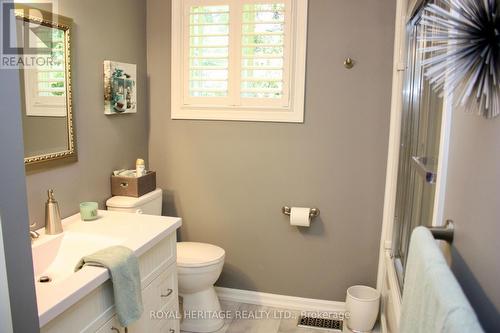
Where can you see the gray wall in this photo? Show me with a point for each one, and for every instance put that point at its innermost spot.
(13, 212)
(103, 30)
(229, 180)
(44, 134)
(472, 201)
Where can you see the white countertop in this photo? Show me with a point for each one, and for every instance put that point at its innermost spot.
(135, 231)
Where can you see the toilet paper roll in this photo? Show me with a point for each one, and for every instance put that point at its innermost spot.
(299, 216)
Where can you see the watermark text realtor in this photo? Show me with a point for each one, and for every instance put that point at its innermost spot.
(26, 34)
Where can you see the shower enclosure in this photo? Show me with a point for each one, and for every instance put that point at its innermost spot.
(419, 149)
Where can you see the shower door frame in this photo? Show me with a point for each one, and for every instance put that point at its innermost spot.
(387, 279)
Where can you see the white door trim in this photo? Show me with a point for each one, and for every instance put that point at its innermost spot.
(399, 67)
(386, 283)
(442, 167)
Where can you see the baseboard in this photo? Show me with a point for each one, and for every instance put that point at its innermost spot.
(279, 301)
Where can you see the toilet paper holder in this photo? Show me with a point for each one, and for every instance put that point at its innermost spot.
(313, 212)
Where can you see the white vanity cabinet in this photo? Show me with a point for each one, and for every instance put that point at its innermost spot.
(96, 313)
(111, 325)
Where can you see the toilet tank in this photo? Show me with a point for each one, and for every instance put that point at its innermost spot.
(150, 203)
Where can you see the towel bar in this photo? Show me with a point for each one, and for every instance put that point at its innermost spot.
(445, 233)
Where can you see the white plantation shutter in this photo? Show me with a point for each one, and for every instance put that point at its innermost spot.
(238, 59)
(50, 82)
(264, 51)
(208, 55)
(45, 86)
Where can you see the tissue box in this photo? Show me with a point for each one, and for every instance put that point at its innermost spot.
(133, 186)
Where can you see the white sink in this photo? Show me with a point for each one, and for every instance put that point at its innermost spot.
(56, 256)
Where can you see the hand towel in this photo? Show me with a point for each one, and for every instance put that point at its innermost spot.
(123, 267)
(433, 301)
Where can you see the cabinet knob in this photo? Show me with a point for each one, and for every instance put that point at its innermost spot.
(172, 330)
(169, 292)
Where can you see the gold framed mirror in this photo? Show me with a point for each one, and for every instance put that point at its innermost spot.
(45, 77)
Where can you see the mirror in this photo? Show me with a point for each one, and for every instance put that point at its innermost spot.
(45, 78)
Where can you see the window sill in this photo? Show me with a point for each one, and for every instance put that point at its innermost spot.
(255, 115)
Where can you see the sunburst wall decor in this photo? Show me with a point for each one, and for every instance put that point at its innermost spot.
(463, 56)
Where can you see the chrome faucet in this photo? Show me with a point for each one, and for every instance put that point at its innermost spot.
(33, 234)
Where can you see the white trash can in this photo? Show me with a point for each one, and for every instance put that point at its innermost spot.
(362, 306)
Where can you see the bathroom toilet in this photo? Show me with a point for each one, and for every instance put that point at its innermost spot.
(149, 203)
(198, 267)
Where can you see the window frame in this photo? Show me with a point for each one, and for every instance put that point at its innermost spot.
(41, 106)
(288, 109)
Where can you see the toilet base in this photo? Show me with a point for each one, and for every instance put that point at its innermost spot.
(201, 311)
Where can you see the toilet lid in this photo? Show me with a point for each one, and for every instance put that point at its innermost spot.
(192, 254)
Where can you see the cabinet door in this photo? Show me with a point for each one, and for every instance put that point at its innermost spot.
(111, 326)
(160, 302)
(168, 326)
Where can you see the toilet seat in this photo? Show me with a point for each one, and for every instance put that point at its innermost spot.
(194, 254)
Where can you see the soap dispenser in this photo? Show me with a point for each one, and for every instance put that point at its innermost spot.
(53, 224)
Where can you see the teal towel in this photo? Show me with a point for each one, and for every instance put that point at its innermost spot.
(123, 267)
(433, 301)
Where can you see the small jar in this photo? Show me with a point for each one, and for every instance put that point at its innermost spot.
(140, 168)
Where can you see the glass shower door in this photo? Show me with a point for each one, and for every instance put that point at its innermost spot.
(419, 150)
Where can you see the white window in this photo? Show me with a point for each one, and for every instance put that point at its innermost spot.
(239, 59)
(45, 85)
